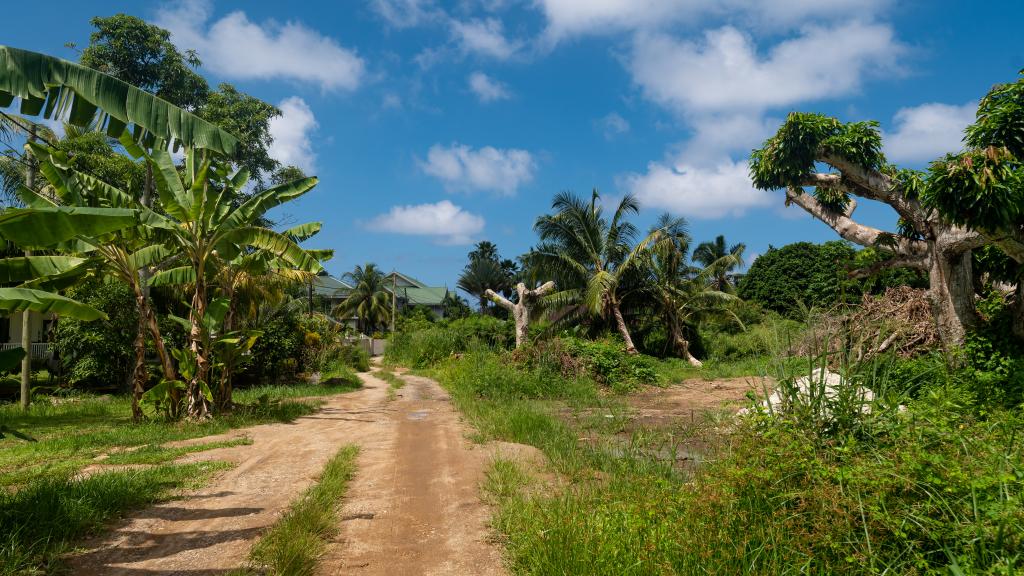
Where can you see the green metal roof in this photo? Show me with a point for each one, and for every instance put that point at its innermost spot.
(427, 296)
(329, 286)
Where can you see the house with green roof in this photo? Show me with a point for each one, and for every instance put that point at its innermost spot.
(330, 291)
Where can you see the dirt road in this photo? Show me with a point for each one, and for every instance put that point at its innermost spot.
(413, 507)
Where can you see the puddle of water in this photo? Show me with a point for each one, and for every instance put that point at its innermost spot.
(418, 414)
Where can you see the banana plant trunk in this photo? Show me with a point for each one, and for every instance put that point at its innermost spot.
(139, 375)
(226, 387)
(198, 407)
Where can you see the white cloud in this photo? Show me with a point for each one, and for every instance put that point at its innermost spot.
(925, 132)
(724, 71)
(716, 191)
(445, 221)
(483, 37)
(235, 47)
(567, 18)
(613, 125)
(461, 168)
(404, 13)
(486, 88)
(290, 130)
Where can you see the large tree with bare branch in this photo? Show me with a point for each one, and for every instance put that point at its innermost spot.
(925, 239)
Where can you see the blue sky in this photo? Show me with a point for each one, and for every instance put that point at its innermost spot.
(435, 124)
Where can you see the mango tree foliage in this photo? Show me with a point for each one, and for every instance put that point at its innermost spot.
(924, 240)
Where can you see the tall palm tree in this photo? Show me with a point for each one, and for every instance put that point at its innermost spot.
(590, 257)
(480, 275)
(708, 253)
(369, 300)
(677, 294)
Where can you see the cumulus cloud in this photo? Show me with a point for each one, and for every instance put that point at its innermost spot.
(483, 37)
(291, 131)
(487, 89)
(925, 132)
(613, 125)
(724, 72)
(713, 191)
(235, 47)
(566, 18)
(446, 222)
(461, 168)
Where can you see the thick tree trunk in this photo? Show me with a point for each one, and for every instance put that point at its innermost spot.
(620, 323)
(1018, 309)
(951, 289)
(198, 407)
(521, 309)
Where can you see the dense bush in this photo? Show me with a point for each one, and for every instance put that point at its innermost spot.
(426, 347)
(277, 352)
(99, 354)
(815, 275)
(607, 362)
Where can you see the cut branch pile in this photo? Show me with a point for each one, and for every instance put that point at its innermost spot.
(900, 321)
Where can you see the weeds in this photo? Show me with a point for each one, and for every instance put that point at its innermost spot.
(294, 544)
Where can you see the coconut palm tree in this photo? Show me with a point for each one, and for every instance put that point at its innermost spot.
(590, 258)
(677, 294)
(480, 275)
(370, 299)
(708, 253)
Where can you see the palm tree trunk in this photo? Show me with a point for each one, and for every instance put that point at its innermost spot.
(620, 323)
(682, 344)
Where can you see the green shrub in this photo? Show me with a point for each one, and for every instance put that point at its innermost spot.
(99, 354)
(426, 347)
(608, 363)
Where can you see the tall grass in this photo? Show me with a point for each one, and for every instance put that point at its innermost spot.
(294, 544)
(40, 521)
(826, 487)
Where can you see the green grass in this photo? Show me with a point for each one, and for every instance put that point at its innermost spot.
(45, 507)
(933, 490)
(41, 521)
(394, 381)
(71, 433)
(155, 454)
(294, 544)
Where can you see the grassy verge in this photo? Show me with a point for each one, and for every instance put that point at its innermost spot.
(45, 507)
(394, 381)
(72, 432)
(294, 544)
(934, 489)
(40, 522)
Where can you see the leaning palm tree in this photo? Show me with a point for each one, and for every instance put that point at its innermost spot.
(590, 258)
(480, 275)
(369, 301)
(677, 294)
(708, 253)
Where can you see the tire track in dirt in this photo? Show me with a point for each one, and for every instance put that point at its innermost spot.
(413, 507)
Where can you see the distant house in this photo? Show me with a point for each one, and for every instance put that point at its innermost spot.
(331, 291)
(39, 330)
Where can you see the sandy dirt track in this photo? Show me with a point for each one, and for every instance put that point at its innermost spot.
(413, 507)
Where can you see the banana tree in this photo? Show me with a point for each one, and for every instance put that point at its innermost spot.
(124, 254)
(208, 226)
(255, 274)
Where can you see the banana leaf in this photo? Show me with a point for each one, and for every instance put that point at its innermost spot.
(25, 268)
(51, 86)
(277, 244)
(42, 227)
(20, 299)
